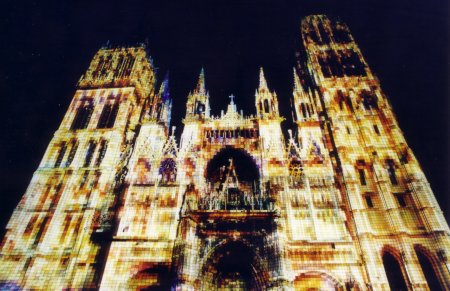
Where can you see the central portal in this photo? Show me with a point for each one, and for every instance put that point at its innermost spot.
(233, 266)
(234, 223)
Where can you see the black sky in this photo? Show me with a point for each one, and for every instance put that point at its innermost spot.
(46, 47)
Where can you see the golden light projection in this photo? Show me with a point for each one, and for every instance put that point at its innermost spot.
(118, 203)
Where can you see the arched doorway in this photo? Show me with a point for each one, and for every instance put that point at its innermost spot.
(394, 273)
(428, 269)
(316, 281)
(233, 266)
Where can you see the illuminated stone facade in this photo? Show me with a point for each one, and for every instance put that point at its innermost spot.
(340, 203)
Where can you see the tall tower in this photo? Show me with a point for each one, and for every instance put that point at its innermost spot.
(392, 213)
(141, 249)
(54, 238)
(317, 230)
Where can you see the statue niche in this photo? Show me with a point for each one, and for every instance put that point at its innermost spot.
(168, 171)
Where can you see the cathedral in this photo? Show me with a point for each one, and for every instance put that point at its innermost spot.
(340, 202)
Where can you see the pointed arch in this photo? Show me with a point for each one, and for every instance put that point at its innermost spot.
(61, 152)
(233, 263)
(303, 110)
(72, 151)
(266, 106)
(101, 152)
(395, 271)
(430, 268)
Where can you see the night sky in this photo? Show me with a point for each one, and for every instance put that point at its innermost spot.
(45, 48)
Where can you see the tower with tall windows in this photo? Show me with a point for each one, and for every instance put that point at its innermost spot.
(400, 235)
(340, 203)
(140, 251)
(55, 236)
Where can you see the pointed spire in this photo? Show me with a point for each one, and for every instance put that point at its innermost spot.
(262, 80)
(266, 102)
(201, 90)
(164, 92)
(170, 148)
(198, 100)
(297, 84)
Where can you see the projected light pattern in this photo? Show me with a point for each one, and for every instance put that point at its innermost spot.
(118, 203)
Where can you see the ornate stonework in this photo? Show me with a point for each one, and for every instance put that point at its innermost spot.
(341, 203)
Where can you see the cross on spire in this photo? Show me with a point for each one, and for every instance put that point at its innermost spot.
(231, 98)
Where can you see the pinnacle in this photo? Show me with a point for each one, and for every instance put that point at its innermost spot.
(164, 89)
(166, 77)
(262, 79)
(297, 84)
(201, 83)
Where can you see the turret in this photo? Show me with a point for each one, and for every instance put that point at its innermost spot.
(164, 114)
(266, 101)
(198, 101)
(160, 106)
(304, 102)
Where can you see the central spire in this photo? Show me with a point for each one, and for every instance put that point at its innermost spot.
(232, 106)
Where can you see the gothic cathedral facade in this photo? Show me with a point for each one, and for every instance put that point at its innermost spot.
(339, 203)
